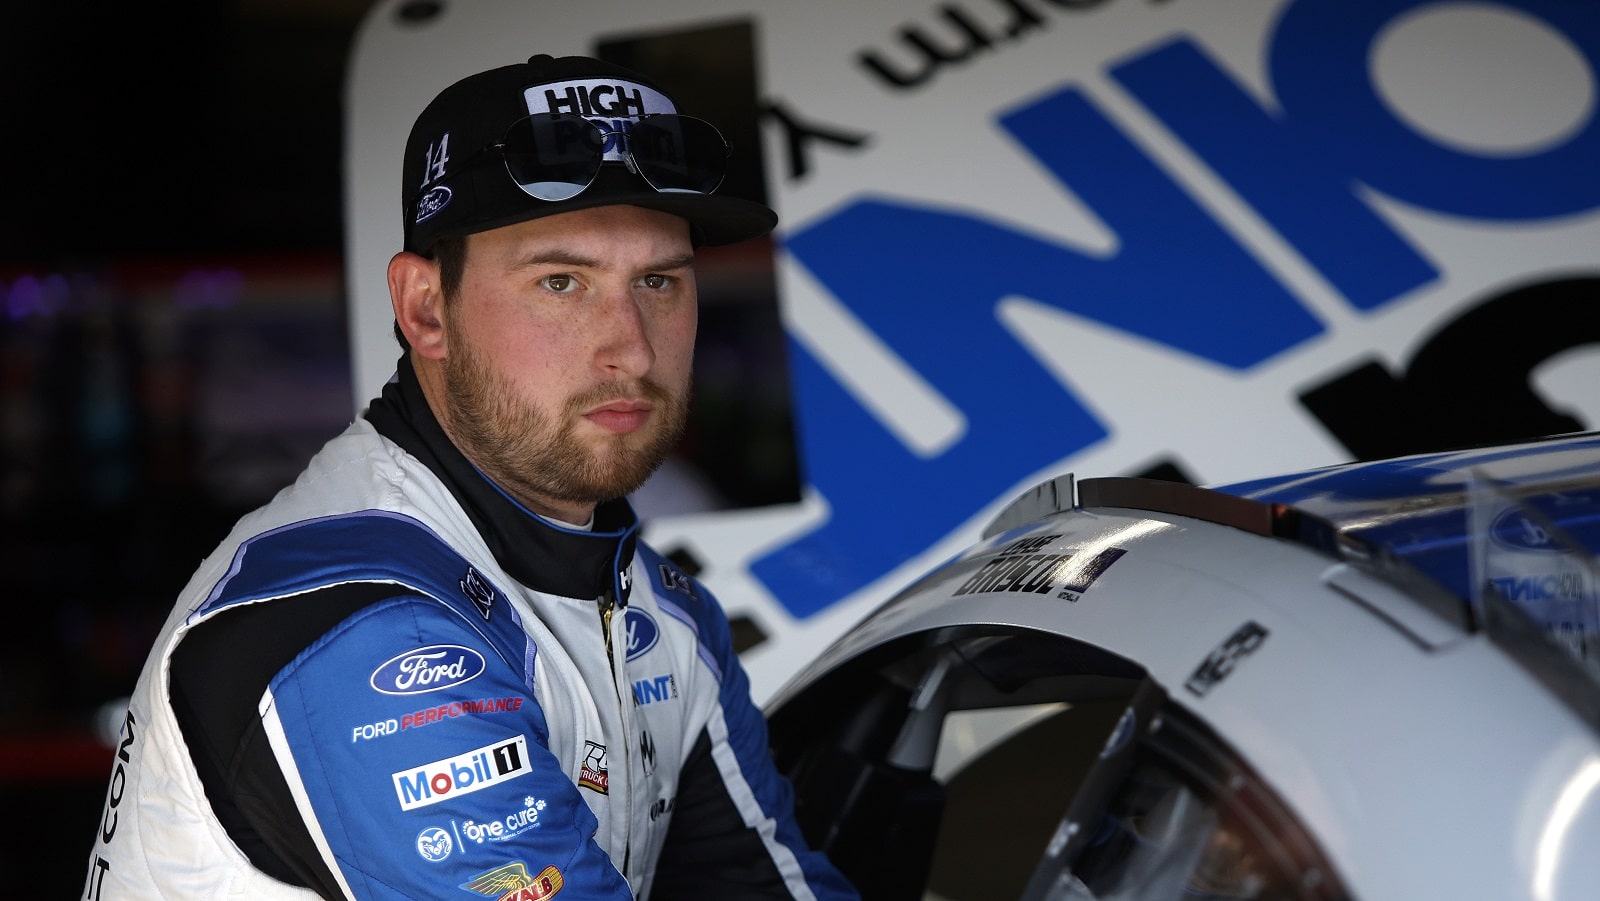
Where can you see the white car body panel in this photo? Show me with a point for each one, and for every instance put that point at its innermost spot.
(1426, 758)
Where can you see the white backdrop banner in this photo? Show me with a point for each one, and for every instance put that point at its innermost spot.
(1206, 239)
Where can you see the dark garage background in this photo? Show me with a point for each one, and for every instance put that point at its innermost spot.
(174, 346)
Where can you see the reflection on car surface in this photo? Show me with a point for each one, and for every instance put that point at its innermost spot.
(1373, 680)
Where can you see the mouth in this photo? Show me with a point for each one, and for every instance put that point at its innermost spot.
(620, 417)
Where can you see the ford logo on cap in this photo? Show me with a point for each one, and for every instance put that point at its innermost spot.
(643, 633)
(427, 669)
(432, 202)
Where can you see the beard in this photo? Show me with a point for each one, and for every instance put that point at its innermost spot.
(534, 453)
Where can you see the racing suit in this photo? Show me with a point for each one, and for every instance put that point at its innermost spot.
(394, 681)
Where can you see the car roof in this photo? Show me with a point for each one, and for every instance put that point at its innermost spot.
(1522, 519)
(1530, 500)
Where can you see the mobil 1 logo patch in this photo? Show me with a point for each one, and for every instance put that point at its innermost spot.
(462, 774)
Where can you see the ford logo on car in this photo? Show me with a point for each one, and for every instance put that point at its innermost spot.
(1513, 528)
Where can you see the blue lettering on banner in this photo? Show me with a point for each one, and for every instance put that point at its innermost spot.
(1177, 277)
(1288, 171)
(1319, 62)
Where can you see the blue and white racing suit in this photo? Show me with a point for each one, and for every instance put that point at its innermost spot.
(392, 681)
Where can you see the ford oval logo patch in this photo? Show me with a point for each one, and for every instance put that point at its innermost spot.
(643, 633)
(432, 202)
(427, 669)
(1514, 529)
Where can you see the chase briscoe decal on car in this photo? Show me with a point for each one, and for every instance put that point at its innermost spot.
(461, 774)
(427, 669)
(1220, 662)
(1020, 566)
(512, 883)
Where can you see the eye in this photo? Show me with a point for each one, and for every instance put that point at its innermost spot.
(559, 284)
(656, 282)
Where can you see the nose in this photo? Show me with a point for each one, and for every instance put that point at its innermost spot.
(625, 348)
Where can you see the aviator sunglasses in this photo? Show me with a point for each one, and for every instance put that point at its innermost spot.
(555, 156)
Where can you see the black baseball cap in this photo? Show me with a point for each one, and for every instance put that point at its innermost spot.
(456, 183)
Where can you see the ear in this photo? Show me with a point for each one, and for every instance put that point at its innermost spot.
(418, 303)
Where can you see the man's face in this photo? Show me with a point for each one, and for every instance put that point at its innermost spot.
(570, 351)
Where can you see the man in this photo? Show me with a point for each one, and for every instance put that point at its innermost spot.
(441, 664)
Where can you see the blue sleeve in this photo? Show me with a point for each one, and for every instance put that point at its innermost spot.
(425, 764)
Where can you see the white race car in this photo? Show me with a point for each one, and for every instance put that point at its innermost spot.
(1373, 680)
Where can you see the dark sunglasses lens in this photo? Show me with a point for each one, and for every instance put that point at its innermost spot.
(679, 153)
(553, 157)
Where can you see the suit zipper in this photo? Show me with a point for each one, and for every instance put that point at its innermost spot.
(607, 605)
